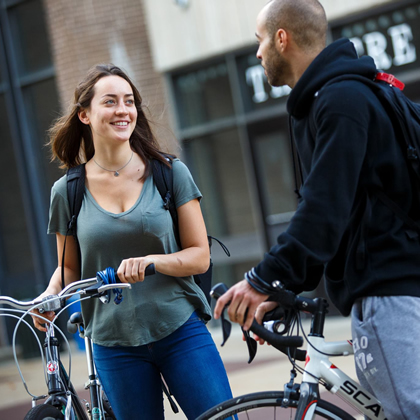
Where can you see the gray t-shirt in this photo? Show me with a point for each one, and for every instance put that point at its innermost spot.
(159, 305)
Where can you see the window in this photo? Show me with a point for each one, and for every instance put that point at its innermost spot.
(218, 169)
(28, 104)
(15, 243)
(275, 172)
(30, 37)
(203, 95)
(41, 101)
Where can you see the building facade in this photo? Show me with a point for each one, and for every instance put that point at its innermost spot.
(194, 63)
(233, 127)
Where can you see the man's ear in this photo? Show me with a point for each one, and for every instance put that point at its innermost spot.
(83, 117)
(281, 40)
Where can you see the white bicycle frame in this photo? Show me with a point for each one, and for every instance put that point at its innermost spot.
(318, 366)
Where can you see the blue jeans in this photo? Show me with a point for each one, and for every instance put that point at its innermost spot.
(189, 362)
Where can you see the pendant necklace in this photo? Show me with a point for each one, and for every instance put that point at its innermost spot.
(117, 171)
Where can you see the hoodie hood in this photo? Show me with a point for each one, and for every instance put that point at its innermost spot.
(336, 59)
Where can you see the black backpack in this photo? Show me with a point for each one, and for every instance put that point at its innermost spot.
(405, 117)
(163, 179)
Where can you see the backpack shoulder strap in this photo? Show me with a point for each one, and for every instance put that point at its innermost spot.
(75, 192)
(163, 179)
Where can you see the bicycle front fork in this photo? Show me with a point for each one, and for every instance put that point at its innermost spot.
(307, 395)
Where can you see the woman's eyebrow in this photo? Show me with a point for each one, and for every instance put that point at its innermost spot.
(112, 95)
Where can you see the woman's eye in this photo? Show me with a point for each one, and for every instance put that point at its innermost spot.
(130, 102)
(109, 101)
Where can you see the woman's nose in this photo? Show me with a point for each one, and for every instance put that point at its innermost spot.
(121, 109)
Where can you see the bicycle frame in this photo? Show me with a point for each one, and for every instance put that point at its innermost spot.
(96, 408)
(61, 392)
(319, 368)
(278, 330)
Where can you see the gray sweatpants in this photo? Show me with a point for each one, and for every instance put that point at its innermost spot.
(386, 340)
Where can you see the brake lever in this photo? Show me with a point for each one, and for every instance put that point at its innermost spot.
(226, 328)
(217, 291)
(251, 344)
(51, 303)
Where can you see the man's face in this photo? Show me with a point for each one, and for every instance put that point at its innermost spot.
(275, 65)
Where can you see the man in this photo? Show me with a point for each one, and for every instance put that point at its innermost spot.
(348, 149)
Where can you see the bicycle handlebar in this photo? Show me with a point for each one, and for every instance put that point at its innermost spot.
(91, 286)
(285, 344)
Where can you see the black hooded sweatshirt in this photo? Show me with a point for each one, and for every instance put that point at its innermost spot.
(340, 230)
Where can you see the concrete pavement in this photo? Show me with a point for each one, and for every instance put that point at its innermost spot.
(269, 371)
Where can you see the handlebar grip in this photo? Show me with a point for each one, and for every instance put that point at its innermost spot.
(150, 270)
(285, 344)
(218, 290)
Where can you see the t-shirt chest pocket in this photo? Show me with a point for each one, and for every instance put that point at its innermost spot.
(157, 223)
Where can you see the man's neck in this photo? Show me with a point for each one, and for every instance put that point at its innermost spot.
(300, 63)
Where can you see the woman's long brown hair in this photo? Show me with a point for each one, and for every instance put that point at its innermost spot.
(71, 141)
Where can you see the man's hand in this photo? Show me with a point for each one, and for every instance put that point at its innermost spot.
(243, 300)
(259, 315)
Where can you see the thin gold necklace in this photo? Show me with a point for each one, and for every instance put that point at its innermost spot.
(117, 171)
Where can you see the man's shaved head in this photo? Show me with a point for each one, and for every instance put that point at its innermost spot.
(305, 20)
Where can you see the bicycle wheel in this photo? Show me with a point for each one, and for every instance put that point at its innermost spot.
(267, 405)
(44, 412)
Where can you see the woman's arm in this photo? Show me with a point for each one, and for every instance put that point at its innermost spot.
(71, 274)
(194, 258)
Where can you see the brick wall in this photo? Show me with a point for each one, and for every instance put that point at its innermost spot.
(87, 32)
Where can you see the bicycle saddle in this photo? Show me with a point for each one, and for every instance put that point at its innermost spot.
(75, 322)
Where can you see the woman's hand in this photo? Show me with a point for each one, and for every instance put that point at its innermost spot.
(131, 270)
(38, 322)
(72, 273)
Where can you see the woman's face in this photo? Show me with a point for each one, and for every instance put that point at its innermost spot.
(112, 114)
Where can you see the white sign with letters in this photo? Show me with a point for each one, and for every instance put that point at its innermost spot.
(376, 45)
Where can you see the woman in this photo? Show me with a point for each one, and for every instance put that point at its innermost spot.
(159, 327)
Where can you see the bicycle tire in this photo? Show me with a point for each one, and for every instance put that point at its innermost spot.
(259, 405)
(44, 412)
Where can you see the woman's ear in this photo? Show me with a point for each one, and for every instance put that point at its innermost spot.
(83, 117)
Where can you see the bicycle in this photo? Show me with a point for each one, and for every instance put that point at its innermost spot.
(61, 401)
(298, 400)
